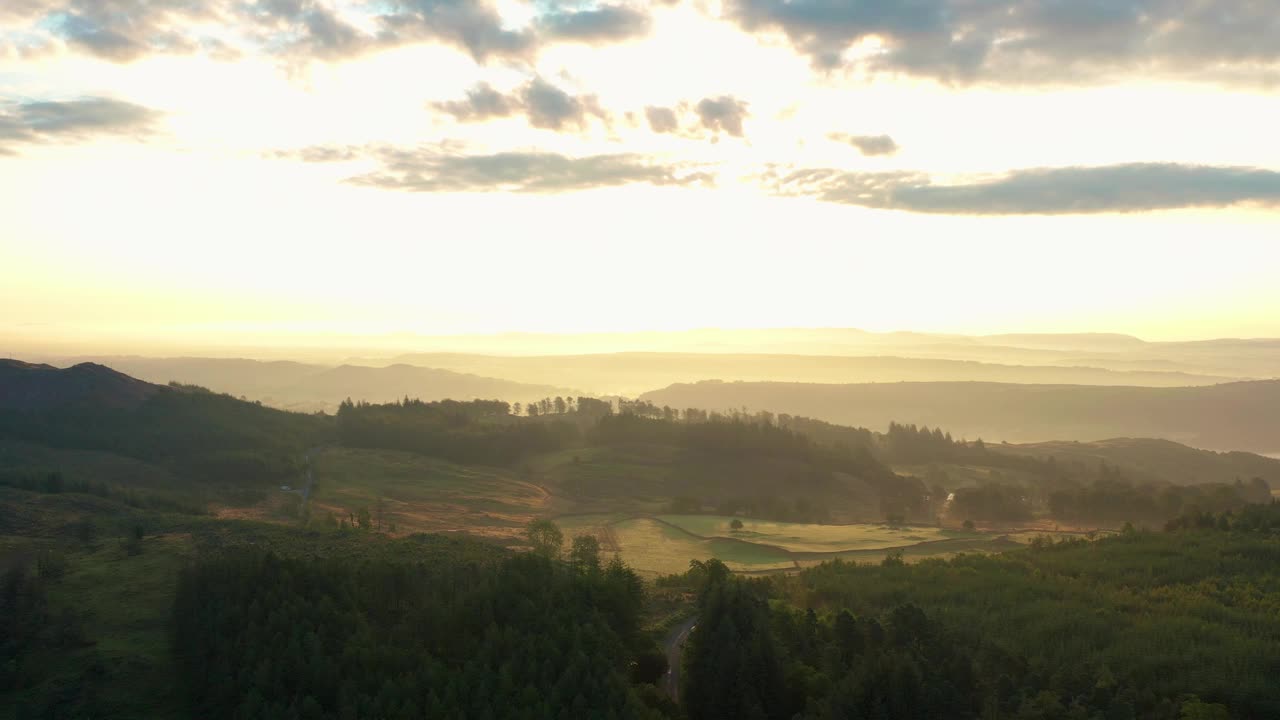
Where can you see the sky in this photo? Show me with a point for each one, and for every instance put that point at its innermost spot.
(202, 168)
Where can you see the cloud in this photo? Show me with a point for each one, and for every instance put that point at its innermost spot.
(467, 24)
(661, 119)
(125, 30)
(607, 23)
(1137, 187)
(868, 144)
(442, 170)
(1025, 41)
(547, 106)
(1002, 41)
(551, 108)
(35, 122)
(482, 103)
(21, 9)
(722, 114)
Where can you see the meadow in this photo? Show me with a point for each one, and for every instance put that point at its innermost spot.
(407, 493)
(808, 537)
(664, 544)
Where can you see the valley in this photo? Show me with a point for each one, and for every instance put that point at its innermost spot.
(117, 494)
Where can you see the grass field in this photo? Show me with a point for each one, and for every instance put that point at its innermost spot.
(122, 601)
(653, 547)
(805, 537)
(421, 494)
(656, 545)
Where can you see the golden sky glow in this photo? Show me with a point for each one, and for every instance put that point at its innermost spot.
(191, 207)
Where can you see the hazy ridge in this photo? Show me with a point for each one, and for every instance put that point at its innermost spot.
(1232, 416)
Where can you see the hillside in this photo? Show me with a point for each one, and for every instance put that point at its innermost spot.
(1150, 460)
(632, 373)
(1232, 416)
(35, 388)
(196, 434)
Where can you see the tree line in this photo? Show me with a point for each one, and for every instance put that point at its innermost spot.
(1111, 499)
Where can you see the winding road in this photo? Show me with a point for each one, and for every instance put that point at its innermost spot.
(674, 645)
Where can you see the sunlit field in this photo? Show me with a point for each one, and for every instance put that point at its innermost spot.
(665, 544)
(808, 537)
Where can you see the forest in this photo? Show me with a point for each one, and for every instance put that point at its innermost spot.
(1181, 623)
(260, 636)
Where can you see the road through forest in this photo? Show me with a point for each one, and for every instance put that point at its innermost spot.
(675, 650)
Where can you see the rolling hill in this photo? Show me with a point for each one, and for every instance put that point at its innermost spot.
(1148, 460)
(187, 430)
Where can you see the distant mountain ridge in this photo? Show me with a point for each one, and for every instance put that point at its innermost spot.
(1230, 416)
(630, 373)
(308, 387)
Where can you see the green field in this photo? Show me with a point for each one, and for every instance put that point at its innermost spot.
(807, 537)
(653, 547)
(420, 494)
(119, 602)
(664, 544)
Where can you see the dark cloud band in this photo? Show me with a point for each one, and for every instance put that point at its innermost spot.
(126, 30)
(1026, 41)
(1138, 187)
(608, 23)
(438, 170)
(35, 122)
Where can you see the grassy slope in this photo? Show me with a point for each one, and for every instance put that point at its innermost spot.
(422, 494)
(122, 600)
(88, 464)
(644, 478)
